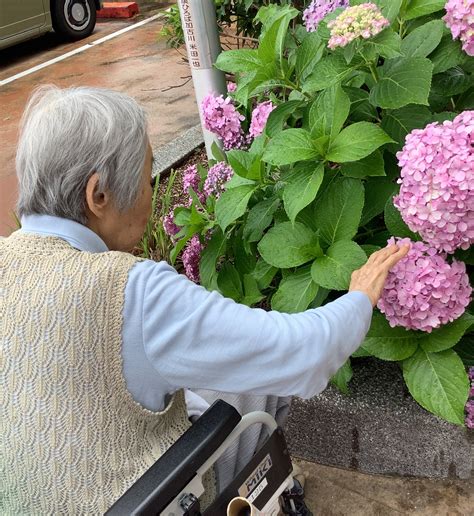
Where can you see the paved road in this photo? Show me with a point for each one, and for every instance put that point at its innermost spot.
(136, 62)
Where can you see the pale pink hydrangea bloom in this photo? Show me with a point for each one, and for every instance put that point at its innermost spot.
(231, 87)
(222, 118)
(319, 9)
(460, 19)
(191, 179)
(216, 179)
(191, 257)
(423, 291)
(360, 21)
(260, 116)
(436, 196)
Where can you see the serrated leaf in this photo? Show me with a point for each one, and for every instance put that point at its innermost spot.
(377, 191)
(343, 377)
(232, 204)
(295, 292)
(372, 165)
(398, 123)
(259, 218)
(290, 146)
(329, 112)
(252, 293)
(242, 61)
(308, 54)
(330, 70)
(387, 43)
(439, 383)
(334, 269)
(244, 164)
(452, 82)
(209, 256)
(356, 142)
(288, 245)
(301, 188)
(395, 223)
(338, 212)
(229, 282)
(279, 116)
(448, 335)
(447, 55)
(361, 108)
(423, 40)
(264, 273)
(387, 343)
(402, 81)
(417, 8)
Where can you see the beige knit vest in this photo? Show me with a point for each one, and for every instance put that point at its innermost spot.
(72, 439)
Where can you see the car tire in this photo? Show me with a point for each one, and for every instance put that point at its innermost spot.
(73, 19)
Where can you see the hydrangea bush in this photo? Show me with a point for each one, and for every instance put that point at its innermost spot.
(349, 126)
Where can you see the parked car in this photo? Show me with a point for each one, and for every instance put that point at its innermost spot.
(25, 19)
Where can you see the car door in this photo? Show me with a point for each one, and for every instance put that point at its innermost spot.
(17, 16)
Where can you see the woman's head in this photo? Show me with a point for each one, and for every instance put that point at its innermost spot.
(84, 155)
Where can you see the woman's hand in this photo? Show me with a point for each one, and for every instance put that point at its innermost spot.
(370, 278)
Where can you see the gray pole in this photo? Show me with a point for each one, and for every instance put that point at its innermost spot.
(199, 21)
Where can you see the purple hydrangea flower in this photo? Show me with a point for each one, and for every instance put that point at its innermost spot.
(231, 87)
(319, 9)
(222, 118)
(361, 21)
(169, 226)
(259, 118)
(423, 291)
(191, 179)
(460, 19)
(470, 404)
(191, 257)
(217, 177)
(436, 196)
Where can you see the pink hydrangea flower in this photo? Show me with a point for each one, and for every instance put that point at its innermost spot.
(360, 21)
(222, 118)
(423, 291)
(259, 118)
(470, 403)
(191, 257)
(436, 196)
(169, 226)
(216, 179)
(231, 87)
(191, 179)
(319, 9)
(460, 19)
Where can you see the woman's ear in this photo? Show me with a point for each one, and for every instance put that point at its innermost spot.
(96, 201)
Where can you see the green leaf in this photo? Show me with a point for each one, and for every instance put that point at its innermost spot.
(241, 61)
(372, 165)
(330, 70)
(244, 164)
(452, 82)
(390, 8)
(343, 377)
(377, 191)
(252, 293)
(361, 108)
(301, 188)
(217, 153)
(279, 116)
(448, 335)
(423, 40)
(308, 54)
(329, 112)
(288, 245)
(439, 383)
(447, 55)
(398, 123)
(339, 210)
(334, 269)
(229, 282)
(387, 43)
(406, 80)
(290, 146)
(387, 343)
(264, 273)
(259, 218)
(295, 292)
(417, 8)
(465, 349)
(356, 142)
(211, 253)
(232, 204)
(395, 223)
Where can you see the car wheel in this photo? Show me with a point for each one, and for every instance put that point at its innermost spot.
(73, 19)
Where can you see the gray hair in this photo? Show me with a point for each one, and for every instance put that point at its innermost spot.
(67, 135)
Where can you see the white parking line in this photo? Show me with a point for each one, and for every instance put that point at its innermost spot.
(78, 50)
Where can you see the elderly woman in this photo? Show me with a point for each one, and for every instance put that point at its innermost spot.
(97, 345)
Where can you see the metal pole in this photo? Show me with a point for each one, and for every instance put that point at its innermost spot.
(199, 21)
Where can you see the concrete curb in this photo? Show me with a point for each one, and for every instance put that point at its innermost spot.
(174, 153)
(378, 429)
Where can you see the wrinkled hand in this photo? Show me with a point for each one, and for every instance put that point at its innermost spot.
(370, 278)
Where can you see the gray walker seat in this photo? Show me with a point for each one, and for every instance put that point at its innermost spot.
(174, 484)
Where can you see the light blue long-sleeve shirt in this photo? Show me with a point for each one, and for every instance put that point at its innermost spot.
(177, 334)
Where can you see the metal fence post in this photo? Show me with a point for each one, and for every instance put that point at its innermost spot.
(199, 21)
